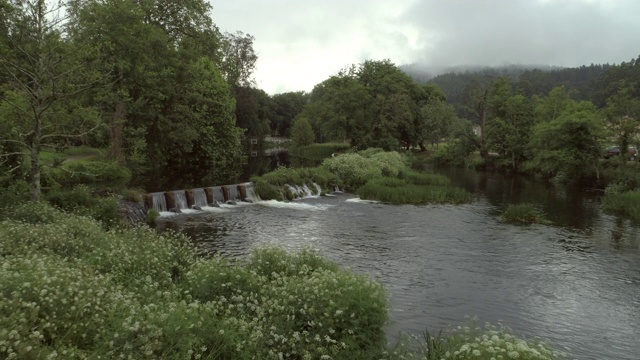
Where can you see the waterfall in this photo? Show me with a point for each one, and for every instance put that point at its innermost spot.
(251, 194)
(234, 194)
(199, 197)
(304, 191)
(218, 194)
(181, 199)
(159, 202)
(318, 189)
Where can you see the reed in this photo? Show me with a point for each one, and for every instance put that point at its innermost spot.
(623, 203)
(524, 214)
(398, 191)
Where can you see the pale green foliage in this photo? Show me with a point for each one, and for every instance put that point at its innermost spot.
(70, 289)
(472, 342)
(353, 169)
(390, 162)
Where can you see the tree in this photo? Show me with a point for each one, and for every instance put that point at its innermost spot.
(44, 76)
(238, 58)
(568, 148)
(437, 121)
(302, 133)
(167, 97)
(623, 118)
(286, 107)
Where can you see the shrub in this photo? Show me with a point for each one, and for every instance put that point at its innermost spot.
(152, 215)
(390, 162)
(103, 174)
(354, 170)
(81, 201)
(525, 214)
(319, 151)
(472, 342)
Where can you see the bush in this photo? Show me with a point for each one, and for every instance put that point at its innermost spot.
(473, 342)
(524, 214)
(69, 288)
(390, 163)
(354, 170)
(81, 201)
(319, 151)
(102, 174)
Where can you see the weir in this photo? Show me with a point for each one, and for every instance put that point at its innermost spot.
(176, 200)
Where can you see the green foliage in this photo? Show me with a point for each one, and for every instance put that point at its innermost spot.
(569, 146)
(265, 190)
(455, 153)
(421, 178)
(102, 174)
(302, 132)
(389, 162)
(625, 203)
(524, 214)
(319, 151)
(70, 288)
(152, 215)
(80, 200)
(353, 169)
(398, 191)
(471, 342)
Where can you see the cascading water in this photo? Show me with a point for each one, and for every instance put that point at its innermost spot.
(218, 194)
(251, 194)
(159, 202)
(234, 194)
(181, 200)
(199, 197)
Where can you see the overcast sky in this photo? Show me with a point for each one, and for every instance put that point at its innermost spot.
(302, 42)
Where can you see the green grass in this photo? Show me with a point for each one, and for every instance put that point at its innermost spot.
(398, 191)
(524, 214)
(319, 151)
(624, 203)
(84, 151)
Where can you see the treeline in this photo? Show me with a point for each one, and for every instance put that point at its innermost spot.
(555, 123)
(155, 82)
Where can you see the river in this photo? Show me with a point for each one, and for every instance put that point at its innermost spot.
(575, 283)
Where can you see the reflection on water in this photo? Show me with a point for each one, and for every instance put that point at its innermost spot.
(576, 283)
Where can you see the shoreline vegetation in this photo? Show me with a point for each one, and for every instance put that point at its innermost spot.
(372, 174)
(72, 288)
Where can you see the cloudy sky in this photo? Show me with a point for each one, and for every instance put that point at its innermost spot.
(302, 42)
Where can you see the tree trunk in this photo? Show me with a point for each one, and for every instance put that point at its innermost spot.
(116, 128)
(34, 173)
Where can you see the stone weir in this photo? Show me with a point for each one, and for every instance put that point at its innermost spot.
(177, 200)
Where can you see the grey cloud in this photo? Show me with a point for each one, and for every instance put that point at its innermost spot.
(565, 33)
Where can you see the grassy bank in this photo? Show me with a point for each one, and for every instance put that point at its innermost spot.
(625, 203)
(71, 289)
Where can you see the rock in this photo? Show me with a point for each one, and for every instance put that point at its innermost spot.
(231, 202)
(196, 207)
(175, 210)
(214, 204)
(132, 213)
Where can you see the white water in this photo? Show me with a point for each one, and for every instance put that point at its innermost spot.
(181, 200)
(159, 202)
(293, 205)
(199, 197)
(360, 201)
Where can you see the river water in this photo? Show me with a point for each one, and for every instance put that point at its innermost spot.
(575, 283)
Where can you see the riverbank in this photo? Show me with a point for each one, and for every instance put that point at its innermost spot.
(75, 290)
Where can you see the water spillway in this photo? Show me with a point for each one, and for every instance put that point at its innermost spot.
(178, 200)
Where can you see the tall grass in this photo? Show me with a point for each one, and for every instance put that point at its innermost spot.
(624, 203)
(398, 191)
(524, 214)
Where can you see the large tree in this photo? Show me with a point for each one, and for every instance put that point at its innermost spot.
(44, 75)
